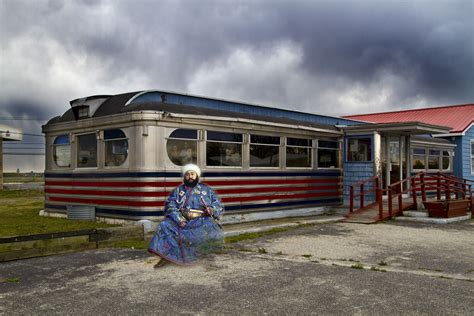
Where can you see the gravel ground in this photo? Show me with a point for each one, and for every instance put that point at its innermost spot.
(311, 270)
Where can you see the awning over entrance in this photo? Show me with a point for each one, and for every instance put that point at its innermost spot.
(402, 128)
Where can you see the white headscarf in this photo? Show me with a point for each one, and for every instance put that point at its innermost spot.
(191, 167)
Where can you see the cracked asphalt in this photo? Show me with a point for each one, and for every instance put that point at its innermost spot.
(340, 268)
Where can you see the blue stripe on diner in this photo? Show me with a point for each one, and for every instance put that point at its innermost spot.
(229, 208)
(335, 173)
(294, 203)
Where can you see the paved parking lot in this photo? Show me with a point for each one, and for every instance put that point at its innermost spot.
(339, 268)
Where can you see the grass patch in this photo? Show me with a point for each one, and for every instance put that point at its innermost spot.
(357, 266)
(262, 250)
(246, 236)
(19, 215)
(245, 250)
(134, 244)
(307, 256)
(280, 253)
(470, 271)
(10, 280)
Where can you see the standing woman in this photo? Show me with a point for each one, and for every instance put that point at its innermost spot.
(190, 228)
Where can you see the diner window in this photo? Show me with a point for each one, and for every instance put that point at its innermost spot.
(433, 159)
(359, 149)
(328, 154)
(446, 160)
(418, 158)
(264, 151)
(116, 147)
(87, 151)
(182, 146)
(224, 149)
(298, 152)
(62, 151)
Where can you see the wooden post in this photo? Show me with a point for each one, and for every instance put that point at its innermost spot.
(379, 197)
(438, 187)
(389, 201)
(413, 192)
(400, 205)
(361, 195)
(448, 191)
(351, 199)
(423, 190)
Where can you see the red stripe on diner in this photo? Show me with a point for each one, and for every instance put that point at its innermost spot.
(107, 193)
(107, 202)
(165, 194)
(131, 184)
(278, 197)
(161, 203)
(277, 189)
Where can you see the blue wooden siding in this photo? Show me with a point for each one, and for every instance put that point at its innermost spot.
(156, 96)
(466, 153)
(355, 172)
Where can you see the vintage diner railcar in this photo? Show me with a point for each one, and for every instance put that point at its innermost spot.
(122, 156)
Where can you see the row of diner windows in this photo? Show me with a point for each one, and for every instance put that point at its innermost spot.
(423, 159)
(223, 149)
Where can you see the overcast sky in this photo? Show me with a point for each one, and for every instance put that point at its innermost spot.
(329, 57)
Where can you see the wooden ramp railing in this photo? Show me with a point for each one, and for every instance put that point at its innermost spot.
(422, 184)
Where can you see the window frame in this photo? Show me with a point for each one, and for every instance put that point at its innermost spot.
(77, 136)
(278, 145)
(242, 147)
(105, 141)
(196, 140)
(62, 145)
(310, 148)
(338, 153)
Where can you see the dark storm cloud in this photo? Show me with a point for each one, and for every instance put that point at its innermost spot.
(310, 55)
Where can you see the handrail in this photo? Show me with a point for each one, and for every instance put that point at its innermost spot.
(440, 182)
(362, 193)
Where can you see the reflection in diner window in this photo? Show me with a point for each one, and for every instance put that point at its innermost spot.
(328, 154)
(62, 151)
(86, 151)
(116, 147)
(182, 146)
(223, 154)
(224, 149)
(182, 152)
(264, 151)
(359, 149)
(298, 152)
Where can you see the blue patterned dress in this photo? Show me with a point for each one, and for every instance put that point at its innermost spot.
(200, 235)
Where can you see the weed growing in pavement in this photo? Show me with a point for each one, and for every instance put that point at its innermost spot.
(377, 269)
(382, 263)
(262, 250)
(10, 280)
(307, 256)
(357, 266)
(280, 253)
(246, 236)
